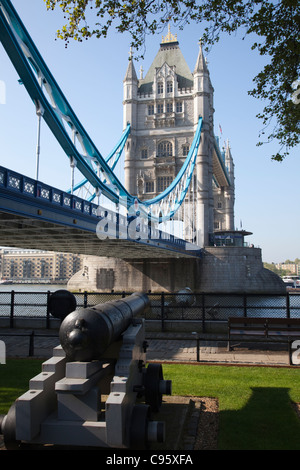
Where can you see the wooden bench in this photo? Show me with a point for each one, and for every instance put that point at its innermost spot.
(265, 328)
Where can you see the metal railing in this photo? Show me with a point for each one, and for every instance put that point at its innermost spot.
(18, 183)
(164, 307)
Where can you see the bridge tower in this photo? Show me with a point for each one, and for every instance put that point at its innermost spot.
(163, 108)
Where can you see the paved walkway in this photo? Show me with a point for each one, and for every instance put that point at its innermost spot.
(212, 350)
(163, 347)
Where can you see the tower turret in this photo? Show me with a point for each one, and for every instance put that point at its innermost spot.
(130, 89)
(203, 106)
(229, 191)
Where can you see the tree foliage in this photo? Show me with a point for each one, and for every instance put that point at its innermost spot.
(273, 24)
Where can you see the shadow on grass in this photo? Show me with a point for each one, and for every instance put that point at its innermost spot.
(267, 422)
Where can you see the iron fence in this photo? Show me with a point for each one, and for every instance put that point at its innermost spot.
(205, 307)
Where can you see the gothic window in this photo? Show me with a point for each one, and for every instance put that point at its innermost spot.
(160, 108)
(165, 149)
(179, 107)
(144, 153)
(219, 205)
(150, 109)
(160, 88)
(185, 150)
(169, 87)
(149, 186)
(163, 182)
(169, 107)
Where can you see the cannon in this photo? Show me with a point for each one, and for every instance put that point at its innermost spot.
(185, 297)
(96, 390)
(86, 333)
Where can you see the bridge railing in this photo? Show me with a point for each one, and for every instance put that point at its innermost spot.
(71, 209)
(28, 187)
(165, 308)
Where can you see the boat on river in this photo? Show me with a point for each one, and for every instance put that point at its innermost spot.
(292, 281)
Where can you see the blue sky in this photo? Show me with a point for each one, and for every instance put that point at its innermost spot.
(91, 76)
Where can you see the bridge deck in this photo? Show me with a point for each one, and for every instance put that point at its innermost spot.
(36, 216)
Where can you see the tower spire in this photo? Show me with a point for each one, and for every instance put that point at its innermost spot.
(130, 72)
(201, 65)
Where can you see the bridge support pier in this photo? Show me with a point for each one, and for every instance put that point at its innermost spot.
(221, 269)
(155, 275)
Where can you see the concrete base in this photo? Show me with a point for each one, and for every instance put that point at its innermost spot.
(181, 415)
(237, 269)
(221, 269)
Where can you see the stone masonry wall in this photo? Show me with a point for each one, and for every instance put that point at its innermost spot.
(236, 269)
(221, 269)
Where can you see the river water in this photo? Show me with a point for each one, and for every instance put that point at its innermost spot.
(31, 287)
(31, 300)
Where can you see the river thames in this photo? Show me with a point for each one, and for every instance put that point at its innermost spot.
(31, 300)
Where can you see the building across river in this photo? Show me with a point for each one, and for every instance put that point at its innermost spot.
(18, 265)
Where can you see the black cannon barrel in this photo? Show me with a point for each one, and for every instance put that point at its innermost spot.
(87, 332)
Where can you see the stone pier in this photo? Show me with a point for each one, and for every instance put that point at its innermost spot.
(221, 269)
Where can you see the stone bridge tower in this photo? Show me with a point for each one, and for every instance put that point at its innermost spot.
(163, 109)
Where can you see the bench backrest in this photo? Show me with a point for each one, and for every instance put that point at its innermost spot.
(263, 320)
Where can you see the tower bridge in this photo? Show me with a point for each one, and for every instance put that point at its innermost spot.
(157, 230)
(37, 216)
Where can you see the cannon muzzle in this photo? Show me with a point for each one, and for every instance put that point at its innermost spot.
(87, 332)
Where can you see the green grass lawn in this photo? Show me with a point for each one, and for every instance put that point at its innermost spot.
(14, 379)
(255, 410)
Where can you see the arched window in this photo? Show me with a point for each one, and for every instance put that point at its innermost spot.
(160, 108)
(169, 108)
(185, 150)
(150, 109)
(144, 153)
(169, 87)
(149, 186)
(165, 149)
(163, 182)
(160, 88)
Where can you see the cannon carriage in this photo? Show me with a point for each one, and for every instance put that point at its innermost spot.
(96, 390)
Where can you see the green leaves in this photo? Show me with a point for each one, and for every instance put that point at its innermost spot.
(274, 26)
